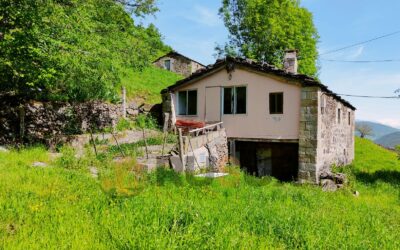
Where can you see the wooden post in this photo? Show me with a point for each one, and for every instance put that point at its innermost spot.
(124, 102)
(181, 153)
(145, 143)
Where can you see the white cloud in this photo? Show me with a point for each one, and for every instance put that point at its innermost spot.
(390, 122)
(204, 16)
(356, 53)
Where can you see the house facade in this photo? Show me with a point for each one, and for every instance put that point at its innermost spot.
(178, 63)
(278, 122)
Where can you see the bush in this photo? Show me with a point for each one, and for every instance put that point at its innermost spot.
(124, 124)
(146, 122)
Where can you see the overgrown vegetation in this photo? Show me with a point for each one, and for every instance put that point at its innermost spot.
(43, 207)
(147, 83)
(73, 50)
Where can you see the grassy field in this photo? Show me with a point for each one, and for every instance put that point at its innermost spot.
(146, 84)
(56, 207)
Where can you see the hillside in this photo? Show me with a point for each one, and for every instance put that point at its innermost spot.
(378, 129)
(390, 140)
(57, 206)
(147, 84)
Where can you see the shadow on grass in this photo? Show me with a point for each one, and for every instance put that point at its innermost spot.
(387, 176)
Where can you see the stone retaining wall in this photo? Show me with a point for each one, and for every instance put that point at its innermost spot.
(50, 122)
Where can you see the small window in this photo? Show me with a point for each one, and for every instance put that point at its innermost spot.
(187, 102)
(323, 104)
(235, 100)
(338, 115)
(167, 65)
(349, 117)
(276, 103)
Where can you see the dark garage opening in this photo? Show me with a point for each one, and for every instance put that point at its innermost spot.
(280, 160)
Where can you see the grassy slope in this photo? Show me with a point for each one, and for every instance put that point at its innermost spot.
(147, 84)
(44, 208)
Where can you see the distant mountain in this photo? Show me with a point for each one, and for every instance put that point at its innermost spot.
(378, 129)
(390, 140)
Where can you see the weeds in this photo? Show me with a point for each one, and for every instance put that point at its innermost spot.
(127, 208)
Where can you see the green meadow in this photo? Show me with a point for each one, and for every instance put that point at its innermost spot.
(63, 207)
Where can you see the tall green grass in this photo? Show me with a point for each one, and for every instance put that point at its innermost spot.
(59, 208)
(147, 84)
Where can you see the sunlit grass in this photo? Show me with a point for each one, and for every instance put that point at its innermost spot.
(60, 208)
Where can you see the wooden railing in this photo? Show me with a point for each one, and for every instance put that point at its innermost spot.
(206, 129)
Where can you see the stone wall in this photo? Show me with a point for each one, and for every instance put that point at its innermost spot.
(179, 65)
(308, 135)
(323, 140)
(208, 151)
(50, 122)
(335, 136)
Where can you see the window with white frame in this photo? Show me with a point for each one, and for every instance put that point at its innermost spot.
(187, 102)
(235, 100)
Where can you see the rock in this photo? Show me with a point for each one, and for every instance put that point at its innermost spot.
(39, 164)
(132, 112)
(340, 178)
(94, 172)
(326, 174)
(328, 185)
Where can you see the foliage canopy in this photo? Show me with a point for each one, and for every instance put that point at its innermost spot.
(72, 50)
(264, 29)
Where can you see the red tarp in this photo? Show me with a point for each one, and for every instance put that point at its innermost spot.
(189, 124)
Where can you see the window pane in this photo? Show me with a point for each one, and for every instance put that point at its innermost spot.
(182, 98)
(228, 101)
(167, 64)
(241, 100)
(276, 103)
(272, 102)
(279, 108)
(192, 102)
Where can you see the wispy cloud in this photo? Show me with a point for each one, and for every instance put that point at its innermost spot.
(204, 16)
(391, 122)
(356, 53)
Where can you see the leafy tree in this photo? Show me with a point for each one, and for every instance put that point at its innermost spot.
(72, 49)
(264, 29)
(364, 130)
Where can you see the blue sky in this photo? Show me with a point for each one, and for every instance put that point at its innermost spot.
(193, 28)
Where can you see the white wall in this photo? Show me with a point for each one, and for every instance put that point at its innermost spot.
(257, 123)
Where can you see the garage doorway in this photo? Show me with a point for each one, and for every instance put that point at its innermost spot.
(280, 160)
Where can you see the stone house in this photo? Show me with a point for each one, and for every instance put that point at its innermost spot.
(178, 63)
(278, 122)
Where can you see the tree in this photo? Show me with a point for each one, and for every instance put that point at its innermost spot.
(364, 130)
(264, 29)
(72, 50)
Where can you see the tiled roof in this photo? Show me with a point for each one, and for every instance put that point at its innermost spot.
(231, 62)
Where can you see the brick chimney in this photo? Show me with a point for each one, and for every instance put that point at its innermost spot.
(290, 64)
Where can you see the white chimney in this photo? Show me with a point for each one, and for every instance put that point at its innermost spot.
(290, 64)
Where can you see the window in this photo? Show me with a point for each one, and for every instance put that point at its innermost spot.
(323, 104)
(235, 100)
(338, 115)
(349, 116)
(187, 102)
(276, 103)
(167, 65)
